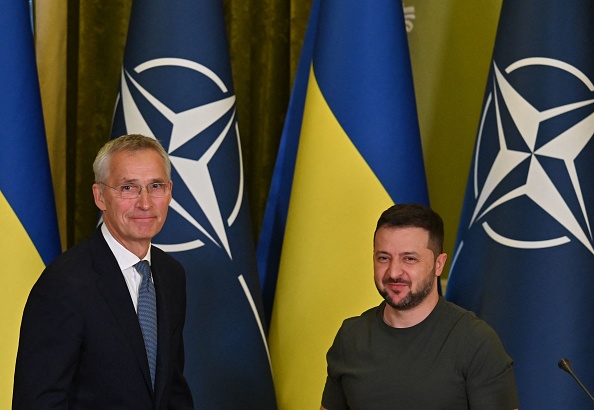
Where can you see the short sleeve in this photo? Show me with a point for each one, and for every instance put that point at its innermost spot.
(490, 379)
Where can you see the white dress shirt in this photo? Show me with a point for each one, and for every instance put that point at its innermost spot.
(126, 261)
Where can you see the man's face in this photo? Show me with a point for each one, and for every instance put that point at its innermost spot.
(133, 222)
(405, 268)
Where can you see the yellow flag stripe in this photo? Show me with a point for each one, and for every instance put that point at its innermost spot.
(19, 270)
(326, 271)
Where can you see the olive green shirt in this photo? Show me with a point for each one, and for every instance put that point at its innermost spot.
(451, 360)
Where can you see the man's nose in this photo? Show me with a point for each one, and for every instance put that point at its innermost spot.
(144, 199)
(395, 269)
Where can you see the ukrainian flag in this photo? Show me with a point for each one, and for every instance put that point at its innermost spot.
(29, 237)
(357, 151)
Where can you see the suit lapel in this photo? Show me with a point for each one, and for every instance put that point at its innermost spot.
(112, 285)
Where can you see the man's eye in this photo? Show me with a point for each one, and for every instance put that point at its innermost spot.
(156, 185)
(126, 188)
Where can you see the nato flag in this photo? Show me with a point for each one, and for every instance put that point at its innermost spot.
(524, 258)
(176, 85)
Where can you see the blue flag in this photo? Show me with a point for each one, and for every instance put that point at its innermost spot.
(524, 258)
(176, 86)
(350, 149)
(28, 226)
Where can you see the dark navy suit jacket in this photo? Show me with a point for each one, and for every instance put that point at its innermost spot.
(81, 346)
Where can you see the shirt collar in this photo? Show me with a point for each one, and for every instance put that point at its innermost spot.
(125, 258)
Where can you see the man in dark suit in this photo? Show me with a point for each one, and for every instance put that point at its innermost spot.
(94, 322)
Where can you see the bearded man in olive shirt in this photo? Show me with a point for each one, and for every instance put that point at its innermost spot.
(416, 350)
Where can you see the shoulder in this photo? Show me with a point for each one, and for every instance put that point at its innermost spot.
(477, 341)
(167, 270)
(163, 262)
(68, 284)
(162, 257)
(452, 309)
(359, 325)
(76, 264)
(466, 321)
(486, 366)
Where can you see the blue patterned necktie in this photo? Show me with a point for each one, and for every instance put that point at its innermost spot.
(147, 315)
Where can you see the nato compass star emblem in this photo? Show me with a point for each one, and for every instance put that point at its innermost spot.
(185, 126)
(520, 147)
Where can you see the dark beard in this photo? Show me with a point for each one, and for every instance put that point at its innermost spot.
(413, 299)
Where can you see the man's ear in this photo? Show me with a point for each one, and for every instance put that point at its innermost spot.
(98, 196)
(440, 263)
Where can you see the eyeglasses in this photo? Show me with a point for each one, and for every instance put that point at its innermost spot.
(131, 191)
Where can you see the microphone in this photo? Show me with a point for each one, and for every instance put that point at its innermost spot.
(565, 365)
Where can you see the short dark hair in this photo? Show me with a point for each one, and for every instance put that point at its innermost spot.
(414, 216)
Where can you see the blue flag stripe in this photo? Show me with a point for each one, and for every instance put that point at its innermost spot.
(366, 96)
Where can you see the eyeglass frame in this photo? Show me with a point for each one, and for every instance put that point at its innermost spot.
(166, 185)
